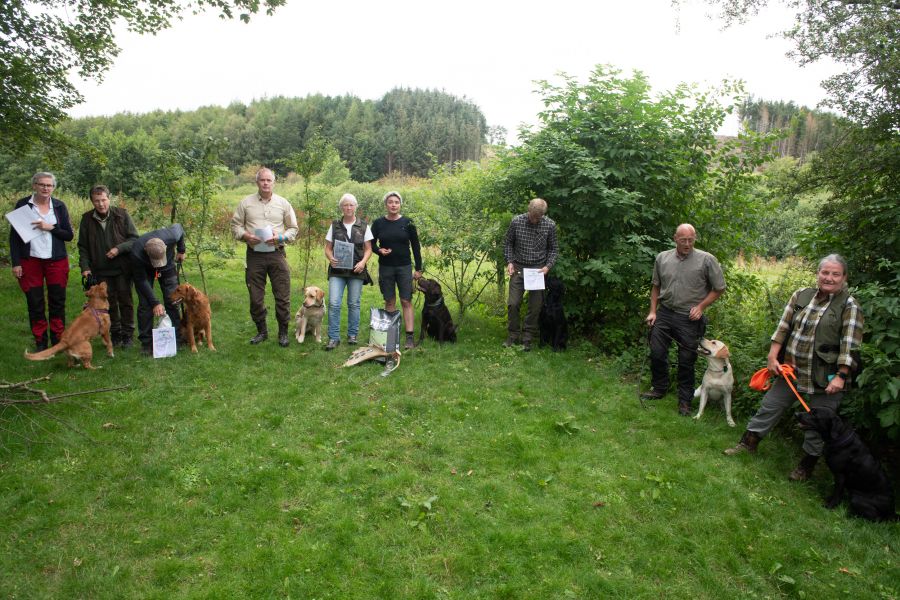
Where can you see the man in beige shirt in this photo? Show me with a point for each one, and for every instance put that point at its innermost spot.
(266, 222)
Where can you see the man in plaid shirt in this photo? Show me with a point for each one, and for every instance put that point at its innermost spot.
(530, 244)
(819, 330)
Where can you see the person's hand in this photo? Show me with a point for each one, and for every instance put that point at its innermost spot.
(159, 310)
(113, 252)
(835, 385)
(417, 275)
(696, 313)
(251, 239)
(384, 251)
(333, 262)
(651, 318)
(42, 225)
(17, 272)
(510, 269)
(85, 273)
(545, 270)
(179, 257)
(358, 267)
(272, 241)
(772, 365)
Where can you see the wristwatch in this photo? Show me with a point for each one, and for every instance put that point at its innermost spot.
(841, 374)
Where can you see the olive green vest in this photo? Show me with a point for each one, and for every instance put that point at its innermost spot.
(827, 343)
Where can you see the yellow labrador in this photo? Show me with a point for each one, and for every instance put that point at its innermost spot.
(718, 380)
(312, 311)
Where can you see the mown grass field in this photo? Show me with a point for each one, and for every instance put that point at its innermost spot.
(473, 471)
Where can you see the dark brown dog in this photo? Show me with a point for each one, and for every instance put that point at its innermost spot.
(76, 339)
(855, 470)
(197, 322)
(436, 319)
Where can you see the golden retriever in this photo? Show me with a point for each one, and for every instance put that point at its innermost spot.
(197, 322)
(76, 339)
(312, 311)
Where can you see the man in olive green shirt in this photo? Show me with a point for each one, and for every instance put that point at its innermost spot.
(685, 282)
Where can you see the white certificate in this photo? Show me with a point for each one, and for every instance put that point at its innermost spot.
(533, 279)
(264, 234)
(21, 219)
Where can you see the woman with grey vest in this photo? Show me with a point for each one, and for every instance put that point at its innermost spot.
(820, 331)
(352, 230)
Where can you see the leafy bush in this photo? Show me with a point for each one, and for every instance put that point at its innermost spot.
(465, 227)
(620, 169)
(745, 318)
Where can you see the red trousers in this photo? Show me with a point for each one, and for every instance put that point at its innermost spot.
(35, 272)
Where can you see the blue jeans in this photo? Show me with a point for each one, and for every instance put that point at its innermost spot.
(336, 287)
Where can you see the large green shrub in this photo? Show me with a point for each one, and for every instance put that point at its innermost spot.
(620, 169)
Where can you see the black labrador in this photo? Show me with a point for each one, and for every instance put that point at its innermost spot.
(554, 328)
(854, 468)
(436, 319)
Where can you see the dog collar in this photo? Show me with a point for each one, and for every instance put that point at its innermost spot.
(436, 303)
(97, 312)
(846, 439)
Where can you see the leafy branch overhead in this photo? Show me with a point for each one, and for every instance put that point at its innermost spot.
(43, 42)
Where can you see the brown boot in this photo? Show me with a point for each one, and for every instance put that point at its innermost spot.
(804, 469)
(749, 442)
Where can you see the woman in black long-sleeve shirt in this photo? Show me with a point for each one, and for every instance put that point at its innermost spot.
(394, 236)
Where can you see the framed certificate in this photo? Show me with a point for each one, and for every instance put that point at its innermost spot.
(343, 253)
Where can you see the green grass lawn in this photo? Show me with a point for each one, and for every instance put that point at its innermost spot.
(472, 471)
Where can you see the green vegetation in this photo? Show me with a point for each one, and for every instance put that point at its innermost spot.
(406, 131)
(472, 471)
(44, 42)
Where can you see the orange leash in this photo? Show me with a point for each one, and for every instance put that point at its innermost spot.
(761, 381)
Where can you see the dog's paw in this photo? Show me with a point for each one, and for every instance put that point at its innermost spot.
(697, 417)
(730, 422)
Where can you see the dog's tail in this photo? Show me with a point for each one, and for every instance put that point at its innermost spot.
(48, 353)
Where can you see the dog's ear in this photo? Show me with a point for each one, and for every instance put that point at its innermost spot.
(320, 294)
(723, 352)
(837, 425)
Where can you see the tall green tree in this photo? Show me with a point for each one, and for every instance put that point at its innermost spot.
(308, 163)
(43, 42)
(859, 172)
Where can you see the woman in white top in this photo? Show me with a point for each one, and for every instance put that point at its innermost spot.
(346, 269)
(43, 259)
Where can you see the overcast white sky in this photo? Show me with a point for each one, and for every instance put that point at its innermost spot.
(490, 52)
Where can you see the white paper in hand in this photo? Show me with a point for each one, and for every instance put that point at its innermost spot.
(533, 279)
(264, 233)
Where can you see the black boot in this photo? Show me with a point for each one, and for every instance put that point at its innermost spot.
(40, 343)
(262, 333)
(283, 340)
(804, 469)
(749, 442)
